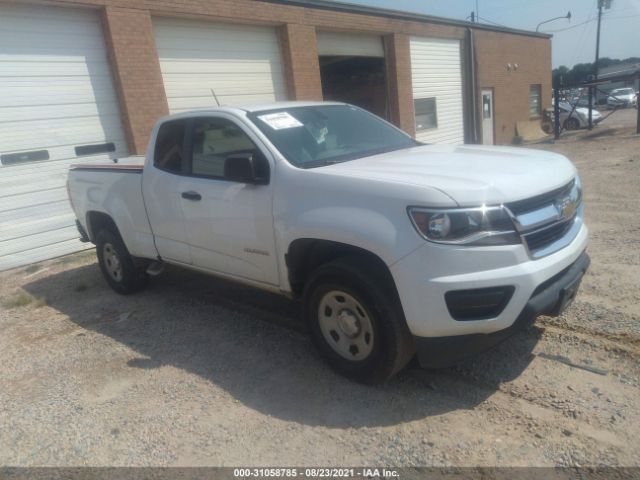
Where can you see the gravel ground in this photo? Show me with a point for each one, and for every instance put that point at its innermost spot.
(195, 371)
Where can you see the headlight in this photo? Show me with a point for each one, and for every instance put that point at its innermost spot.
(465, 226)
(576, 190)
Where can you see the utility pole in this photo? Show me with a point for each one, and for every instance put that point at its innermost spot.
(638, 111)
(607, 5)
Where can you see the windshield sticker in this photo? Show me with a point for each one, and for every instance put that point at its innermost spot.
(280, 120)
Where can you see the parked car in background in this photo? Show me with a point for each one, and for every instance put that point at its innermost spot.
(570, 119)
(394, 247)
(579, 118)
(622, 97)
(583, 102)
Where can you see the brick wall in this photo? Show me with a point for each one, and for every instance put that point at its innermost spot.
(494, 50)
(399, 86)
(136, 71)
(301, 65)
(130, 39)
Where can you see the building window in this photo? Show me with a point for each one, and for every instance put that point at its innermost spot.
(426, 114)
(84, 150)
(535, 99)
(24, 157)
(486, 106)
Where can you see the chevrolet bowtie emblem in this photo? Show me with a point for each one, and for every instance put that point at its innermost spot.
(566, 207)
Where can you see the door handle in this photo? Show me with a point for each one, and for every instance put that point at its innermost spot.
(193, 196)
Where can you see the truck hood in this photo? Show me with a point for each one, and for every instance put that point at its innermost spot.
(471, 175)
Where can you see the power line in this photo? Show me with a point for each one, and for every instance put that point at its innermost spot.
(618, 10)
(583, 36)
(512, 4)
(620, 18)
(492, 22)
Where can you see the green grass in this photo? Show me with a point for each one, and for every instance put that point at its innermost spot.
(22, 299)
(77, 257)
(40, 302)
(32, 269)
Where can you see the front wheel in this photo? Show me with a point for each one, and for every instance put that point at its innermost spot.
(356, 320)
(117, 265)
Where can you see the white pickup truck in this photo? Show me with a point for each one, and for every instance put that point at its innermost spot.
(394, 247)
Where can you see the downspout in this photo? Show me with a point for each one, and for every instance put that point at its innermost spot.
(472, 87)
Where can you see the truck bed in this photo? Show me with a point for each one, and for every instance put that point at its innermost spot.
(114, 189)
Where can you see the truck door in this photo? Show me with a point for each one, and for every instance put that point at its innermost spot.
(229, 224)
(161, 190)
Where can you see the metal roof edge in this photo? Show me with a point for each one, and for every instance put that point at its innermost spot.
(401, 15)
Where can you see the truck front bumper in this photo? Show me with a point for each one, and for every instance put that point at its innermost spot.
(550, 298)
(480, 294)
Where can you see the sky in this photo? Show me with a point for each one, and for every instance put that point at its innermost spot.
(573, 41)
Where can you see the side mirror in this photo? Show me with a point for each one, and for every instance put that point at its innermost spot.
(243, 168)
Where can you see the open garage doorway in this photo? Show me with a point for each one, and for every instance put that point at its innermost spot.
(360, 81)
(353, 70)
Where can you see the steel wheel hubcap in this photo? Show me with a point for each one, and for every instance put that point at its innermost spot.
(345, 325)
(112, 262)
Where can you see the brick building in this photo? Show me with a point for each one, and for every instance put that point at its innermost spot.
(85, 80)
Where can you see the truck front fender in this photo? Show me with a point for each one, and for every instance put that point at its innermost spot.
(358, 227)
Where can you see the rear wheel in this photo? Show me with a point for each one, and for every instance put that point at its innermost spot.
(356, 320)
(117, 265)
(572, 124)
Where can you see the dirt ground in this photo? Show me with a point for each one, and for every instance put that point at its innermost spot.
(195, 371)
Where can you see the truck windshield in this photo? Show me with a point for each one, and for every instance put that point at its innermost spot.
(315, 136)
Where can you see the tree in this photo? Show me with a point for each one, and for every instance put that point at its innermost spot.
(580, 72)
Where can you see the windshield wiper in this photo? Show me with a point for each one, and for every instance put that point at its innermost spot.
(352, 156)
(377, 151)
(322, 163)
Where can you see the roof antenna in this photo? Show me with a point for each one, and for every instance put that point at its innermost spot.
(215, 97)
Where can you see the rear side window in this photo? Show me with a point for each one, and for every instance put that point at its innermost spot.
(169, 153)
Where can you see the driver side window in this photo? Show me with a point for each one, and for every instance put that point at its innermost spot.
(213, 141)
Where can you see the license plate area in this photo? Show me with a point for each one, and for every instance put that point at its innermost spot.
(568, 294)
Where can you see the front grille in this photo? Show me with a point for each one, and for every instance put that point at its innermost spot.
(546, 236)
(542, 221)
(534, 203)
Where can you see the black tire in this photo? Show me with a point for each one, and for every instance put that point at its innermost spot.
(572, 124)
(110, 247)
(391, 346)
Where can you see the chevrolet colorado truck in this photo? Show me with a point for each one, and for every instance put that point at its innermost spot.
(395, 248)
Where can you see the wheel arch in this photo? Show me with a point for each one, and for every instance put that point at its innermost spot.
(304, 255)
(96, 221)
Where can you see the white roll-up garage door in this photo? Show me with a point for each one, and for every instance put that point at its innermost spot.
(57, 107)
(436, 72)
(241, 64)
